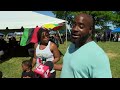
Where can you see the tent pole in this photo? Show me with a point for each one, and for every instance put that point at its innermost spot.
(110, 36)
(66, 33)
(60, 37)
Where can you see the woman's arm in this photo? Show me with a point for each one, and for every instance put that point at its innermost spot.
(56, 54)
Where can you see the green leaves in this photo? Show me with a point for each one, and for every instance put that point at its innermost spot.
(102, 18)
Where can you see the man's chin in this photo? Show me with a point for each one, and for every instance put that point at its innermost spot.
(73, 40)
(77, 41)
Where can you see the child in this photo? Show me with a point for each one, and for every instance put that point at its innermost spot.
(1, 74)
(27, 69)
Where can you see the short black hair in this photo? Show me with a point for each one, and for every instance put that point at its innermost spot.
(1, 74)
(39, 33)
(27, 63)
(92, 22)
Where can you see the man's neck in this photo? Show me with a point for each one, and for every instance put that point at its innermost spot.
(81, 44)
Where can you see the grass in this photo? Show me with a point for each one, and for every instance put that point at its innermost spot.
(113, 51)
(63, 49)
(12, 67)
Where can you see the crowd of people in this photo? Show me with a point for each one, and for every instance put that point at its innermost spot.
(115, 37)
(11, 48)
(5, 46)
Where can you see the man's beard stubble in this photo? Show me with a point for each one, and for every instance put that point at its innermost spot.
(80, 41)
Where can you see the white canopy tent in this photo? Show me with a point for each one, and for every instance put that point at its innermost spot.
(26, 19)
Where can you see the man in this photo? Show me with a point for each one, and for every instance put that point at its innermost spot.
(84, 58)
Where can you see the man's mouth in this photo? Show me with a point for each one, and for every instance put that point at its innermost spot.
(74, 36)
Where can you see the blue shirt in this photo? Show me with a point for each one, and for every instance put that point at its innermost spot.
(89, 61)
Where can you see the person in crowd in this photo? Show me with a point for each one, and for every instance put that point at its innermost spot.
(27, 69)
(45, 50)
(84, 58)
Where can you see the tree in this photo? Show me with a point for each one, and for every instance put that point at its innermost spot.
(102, 18)
(116, 18)
(66, 15)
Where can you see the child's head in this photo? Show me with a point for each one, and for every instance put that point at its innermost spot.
(1, 74)
(26, 65)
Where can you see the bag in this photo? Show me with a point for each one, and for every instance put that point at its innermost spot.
(43, 71)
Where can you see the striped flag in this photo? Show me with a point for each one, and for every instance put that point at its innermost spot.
(29, 36)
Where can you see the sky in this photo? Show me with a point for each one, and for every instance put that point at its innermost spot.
(49, 13)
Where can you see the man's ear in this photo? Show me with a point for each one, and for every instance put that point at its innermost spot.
(90, 31)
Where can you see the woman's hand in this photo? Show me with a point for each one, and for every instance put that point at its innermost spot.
(58, 67)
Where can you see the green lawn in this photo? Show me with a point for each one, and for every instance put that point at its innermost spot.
(113, 51)
(12, 67)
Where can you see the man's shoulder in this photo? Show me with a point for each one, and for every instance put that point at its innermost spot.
(98, 51)
(96, 47)
(92, 45)
(93, 48)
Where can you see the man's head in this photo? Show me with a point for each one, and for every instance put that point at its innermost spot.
(26, 65)
(82, 29)
(43, 36)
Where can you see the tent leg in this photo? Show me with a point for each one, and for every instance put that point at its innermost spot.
(60, 37)
(66, 34)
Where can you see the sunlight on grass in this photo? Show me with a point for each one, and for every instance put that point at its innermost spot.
(12, 67)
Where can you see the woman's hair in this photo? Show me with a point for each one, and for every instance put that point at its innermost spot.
(27, 63)
(40, 33)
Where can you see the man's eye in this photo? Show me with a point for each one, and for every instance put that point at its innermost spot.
(81, 26)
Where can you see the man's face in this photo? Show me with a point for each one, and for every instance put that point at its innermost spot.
(80, 29)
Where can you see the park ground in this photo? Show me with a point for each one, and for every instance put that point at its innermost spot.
(12, 67)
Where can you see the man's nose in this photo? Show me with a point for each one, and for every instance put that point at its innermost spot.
(75, 28)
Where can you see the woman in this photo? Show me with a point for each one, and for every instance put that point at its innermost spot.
(46, 49)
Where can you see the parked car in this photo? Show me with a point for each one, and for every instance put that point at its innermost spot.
(9, 35)
(18, 33)
(2, 35)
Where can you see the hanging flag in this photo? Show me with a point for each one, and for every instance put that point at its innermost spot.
(29, 36)
(26, 37)
(50, 26)
(53, 26)
(34, 35)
